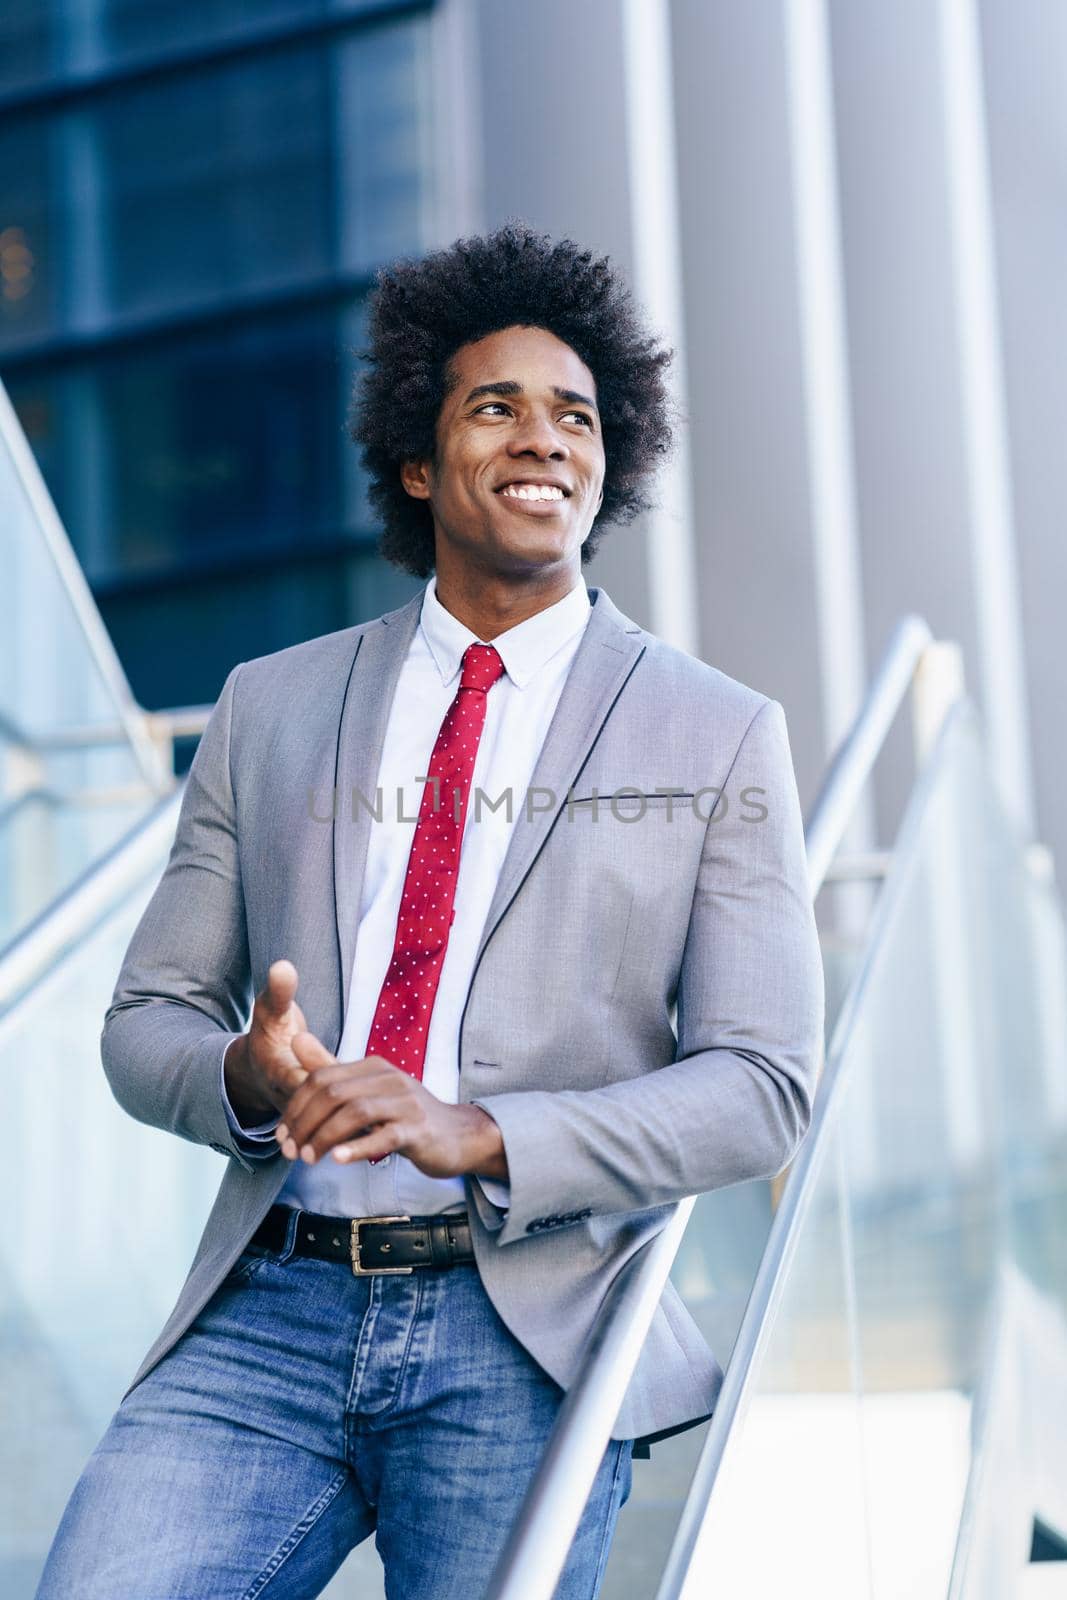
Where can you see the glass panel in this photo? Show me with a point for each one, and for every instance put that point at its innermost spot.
(940, 1169)
(111, 1214)
(1035, 1116)
(800, 1440)
(64, 800)
(713, 1272)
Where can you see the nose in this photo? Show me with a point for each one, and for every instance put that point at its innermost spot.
(538, 437)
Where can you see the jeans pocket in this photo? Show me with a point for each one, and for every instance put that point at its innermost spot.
(248, 1263)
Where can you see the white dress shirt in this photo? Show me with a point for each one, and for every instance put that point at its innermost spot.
(537, 656)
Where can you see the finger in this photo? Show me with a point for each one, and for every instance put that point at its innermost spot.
(314, 1084)
(311, 1052)
(330, 1072)
(314, 1066)
(363, 1106)
(371, 1146)
(281, 986)
(348, 1123)
(284, 1082)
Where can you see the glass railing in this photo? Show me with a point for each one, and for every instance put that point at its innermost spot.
(938, 1160)
(77, 766)
(937, 1170)
(108, 1213)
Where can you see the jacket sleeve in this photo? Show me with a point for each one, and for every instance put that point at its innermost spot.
(185, 988)
(737, 1099)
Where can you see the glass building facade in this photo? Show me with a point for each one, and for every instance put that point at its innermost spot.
(193, 203)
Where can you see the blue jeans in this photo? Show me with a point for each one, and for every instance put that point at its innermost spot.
(304, 1409)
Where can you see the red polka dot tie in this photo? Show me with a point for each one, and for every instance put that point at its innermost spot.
(402, 1019)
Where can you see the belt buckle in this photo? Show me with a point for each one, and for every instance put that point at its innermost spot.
(357, 1266)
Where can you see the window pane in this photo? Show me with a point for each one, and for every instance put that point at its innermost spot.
(29, 204)
(142, 27)
(216, 183)
(25, 27)
(382, 88)
(265, 174)
(178, 643)
(45, 41)
(183, 261)
(193, 451)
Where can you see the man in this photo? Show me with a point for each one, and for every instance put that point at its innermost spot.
(491, 839)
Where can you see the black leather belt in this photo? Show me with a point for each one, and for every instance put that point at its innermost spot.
(371, 1244)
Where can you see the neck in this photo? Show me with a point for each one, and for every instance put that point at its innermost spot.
(491, 607)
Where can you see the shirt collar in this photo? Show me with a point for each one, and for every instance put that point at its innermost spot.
(524, 649)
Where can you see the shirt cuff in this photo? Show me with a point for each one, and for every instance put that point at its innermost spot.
(262, 1133)
(499, 1193)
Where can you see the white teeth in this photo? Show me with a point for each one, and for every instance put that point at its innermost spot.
(543, 492)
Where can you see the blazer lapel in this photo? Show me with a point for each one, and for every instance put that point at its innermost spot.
(610, 649)
(380, 654)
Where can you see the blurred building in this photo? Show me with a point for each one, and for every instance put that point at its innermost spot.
(842, 216)
(193, 200)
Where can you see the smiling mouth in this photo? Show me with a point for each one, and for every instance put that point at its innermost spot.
(533, 507)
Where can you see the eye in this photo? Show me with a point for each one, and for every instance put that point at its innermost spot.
(500, 404)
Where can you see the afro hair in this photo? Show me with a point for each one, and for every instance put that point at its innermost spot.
(423, 311)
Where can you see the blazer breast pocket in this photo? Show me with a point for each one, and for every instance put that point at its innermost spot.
(646, 849)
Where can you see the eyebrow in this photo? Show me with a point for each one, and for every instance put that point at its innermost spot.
(508, 386)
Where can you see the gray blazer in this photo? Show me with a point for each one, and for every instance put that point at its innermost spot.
(603, 918)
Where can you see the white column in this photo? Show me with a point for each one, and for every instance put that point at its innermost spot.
(1000, 669)
(657, 284)
(827, 403)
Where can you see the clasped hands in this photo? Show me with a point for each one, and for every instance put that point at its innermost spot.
(354, 1110)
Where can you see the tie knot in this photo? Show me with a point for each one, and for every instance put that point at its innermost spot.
(482, 666)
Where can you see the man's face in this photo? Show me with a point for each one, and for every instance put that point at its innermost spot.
(521, 412)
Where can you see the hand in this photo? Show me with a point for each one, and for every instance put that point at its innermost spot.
(261, 1069)
(370, 1108)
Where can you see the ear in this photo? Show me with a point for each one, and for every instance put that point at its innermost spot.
(415, 476)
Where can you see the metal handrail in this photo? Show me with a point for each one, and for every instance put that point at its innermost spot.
(851, 764)
(178, 722)
(536, 1551)
(80, 909)
(780, 1250)
(56, 800)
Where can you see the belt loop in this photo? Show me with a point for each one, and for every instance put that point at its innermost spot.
(441, 1252)
(290, 1233)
